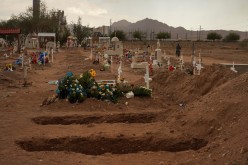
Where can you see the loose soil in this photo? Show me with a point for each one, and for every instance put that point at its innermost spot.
(188, 120)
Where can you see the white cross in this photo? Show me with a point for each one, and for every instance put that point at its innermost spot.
(233, 68)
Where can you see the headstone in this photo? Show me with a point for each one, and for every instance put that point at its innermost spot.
(158, 55)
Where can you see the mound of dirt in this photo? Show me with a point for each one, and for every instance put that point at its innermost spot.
(7, 78)
(220, 116)
(180, 86)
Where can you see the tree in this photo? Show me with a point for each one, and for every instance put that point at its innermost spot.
(119, 34)
(232, 37)
(214, 36)
(137, 35)
(81, 32)
(163, 35)
(47, 22)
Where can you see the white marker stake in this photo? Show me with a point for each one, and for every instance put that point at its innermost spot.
(111, 65)
(91, 53)
(181, 62)
(25, 74)
(194, 65)
(168, 62)
(29, 61)
(22, 61)
(147, 77)
(119, 72)
(44, 58)
(233, 68)
(52, 55)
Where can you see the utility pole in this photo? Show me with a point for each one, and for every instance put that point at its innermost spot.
(200, 33)
(197, 35)
(246, 34)
(110, 27)
(191, 33)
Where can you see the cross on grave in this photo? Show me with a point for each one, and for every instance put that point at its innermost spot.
(181, 62)
(194, 65)
(147, 78)
(198, 68)
(52, 54)
(233, 68)
(168, 62)
(119, 73)
(158, 44)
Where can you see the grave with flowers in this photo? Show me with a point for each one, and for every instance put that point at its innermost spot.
(78, 88)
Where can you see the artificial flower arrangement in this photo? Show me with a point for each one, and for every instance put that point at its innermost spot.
(9, 67)
(78, 88)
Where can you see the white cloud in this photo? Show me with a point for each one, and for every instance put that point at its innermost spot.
(97, 12)
(74, 10)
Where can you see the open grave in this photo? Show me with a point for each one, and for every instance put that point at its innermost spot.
(116, 118)
(102, 145)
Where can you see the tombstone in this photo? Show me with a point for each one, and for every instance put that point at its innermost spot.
(158, 55)
(50, 45)
(137, 63)
(31, 41)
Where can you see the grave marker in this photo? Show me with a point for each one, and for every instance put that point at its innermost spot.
(119, 73)
(52, 54)
(147, 78)
(233, 68)
(181, 62)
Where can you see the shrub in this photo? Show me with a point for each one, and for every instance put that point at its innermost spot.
(232, 37)
(214, 36)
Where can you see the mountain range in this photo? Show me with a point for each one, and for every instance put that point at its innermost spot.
(151, 27)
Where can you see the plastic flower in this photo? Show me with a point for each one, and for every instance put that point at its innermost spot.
(92, 72)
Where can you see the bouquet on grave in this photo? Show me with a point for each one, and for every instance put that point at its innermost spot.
(69, 87)
(105, 92)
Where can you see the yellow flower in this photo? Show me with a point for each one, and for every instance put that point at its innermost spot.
(92, 72)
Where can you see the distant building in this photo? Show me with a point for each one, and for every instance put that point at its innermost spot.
(103, 30)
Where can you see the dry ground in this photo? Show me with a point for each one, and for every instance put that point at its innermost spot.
(210, 128)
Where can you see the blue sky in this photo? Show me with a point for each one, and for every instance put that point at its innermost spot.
(210, 14)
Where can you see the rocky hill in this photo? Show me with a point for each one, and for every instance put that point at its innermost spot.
(151, 27)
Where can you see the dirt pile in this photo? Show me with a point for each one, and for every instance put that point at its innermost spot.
(220, 117)
(182, 87)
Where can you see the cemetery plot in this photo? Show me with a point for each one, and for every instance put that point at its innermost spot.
(102, 145)
(117, 118)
